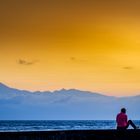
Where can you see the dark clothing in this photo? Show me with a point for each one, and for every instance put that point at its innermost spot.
(125, 127)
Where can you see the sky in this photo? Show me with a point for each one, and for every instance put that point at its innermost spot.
(89, 45)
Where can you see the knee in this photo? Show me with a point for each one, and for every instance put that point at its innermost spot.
(130, 121)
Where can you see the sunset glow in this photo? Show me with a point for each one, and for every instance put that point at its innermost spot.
(89, 45)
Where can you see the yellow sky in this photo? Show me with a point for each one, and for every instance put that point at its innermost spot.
(85, 44)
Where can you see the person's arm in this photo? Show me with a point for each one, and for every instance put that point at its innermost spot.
(126, 119)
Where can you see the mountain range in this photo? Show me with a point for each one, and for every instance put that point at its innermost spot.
(63, 104)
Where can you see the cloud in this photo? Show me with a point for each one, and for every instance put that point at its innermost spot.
(78, 60)
(25, 62)
(128, 68)
(73, 58)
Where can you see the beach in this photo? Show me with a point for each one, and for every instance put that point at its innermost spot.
(72, 135)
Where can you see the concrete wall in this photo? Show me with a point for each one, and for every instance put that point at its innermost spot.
(72, 135)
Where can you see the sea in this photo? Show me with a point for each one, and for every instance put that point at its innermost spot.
(52, 125)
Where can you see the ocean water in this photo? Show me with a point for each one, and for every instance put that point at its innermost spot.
(57, 125)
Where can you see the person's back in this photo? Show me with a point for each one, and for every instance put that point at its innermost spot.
(121, 120)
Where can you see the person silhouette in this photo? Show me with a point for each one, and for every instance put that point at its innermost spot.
(122, 121)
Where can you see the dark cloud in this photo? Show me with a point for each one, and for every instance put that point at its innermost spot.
(73, 58)
(24, 62)
(77, 60)
(128, 68)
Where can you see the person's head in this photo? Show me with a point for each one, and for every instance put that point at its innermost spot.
(123, 110)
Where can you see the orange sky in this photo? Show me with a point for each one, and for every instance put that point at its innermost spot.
(85, 44)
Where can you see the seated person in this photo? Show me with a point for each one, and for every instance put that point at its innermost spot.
(122, 122)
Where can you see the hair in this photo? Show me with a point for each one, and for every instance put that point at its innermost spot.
(123, 110)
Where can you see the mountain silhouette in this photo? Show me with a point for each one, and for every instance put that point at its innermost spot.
(63, 104)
